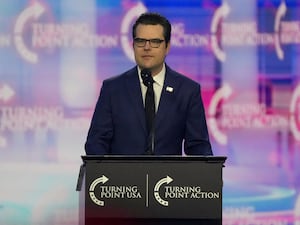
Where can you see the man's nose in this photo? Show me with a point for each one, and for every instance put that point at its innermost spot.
(147, 45)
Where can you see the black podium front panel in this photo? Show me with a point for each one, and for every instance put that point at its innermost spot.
(153, 187)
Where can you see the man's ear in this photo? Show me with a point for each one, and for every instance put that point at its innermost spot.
(168, 47)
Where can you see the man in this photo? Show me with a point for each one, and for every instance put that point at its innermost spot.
(119, 123)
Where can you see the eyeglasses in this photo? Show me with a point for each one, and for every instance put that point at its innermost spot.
(154, 43)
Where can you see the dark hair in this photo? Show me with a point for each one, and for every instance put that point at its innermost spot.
(153, 19)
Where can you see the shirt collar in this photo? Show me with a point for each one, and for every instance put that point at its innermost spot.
(158, 78)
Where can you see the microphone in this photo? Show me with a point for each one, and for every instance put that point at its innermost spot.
(147, 77)
(149, 109)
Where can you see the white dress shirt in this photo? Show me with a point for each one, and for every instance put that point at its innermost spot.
(157, 85)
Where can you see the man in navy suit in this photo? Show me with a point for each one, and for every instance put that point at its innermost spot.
(119, 126)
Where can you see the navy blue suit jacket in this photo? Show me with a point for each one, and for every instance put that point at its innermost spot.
(118, 125)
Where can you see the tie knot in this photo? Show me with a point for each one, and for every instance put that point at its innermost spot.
(147, 78)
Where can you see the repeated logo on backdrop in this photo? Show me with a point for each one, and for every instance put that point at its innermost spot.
(49, 35)
(34, 33)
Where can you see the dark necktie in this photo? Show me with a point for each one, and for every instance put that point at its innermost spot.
(149, 108)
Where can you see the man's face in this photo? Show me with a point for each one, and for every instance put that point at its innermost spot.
(150, 57)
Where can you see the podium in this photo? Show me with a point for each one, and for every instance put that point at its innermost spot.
(135, 190)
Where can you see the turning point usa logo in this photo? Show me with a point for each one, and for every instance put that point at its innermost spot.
(112, 191)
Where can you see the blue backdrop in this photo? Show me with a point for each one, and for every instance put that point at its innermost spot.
(54, 56)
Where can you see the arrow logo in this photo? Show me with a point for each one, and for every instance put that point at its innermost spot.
(222, 93)
(220, 13)
(295, 113)
(93, 197)
(6, 93)
(165, 180)
(34, 11)
(279, 14)
(126, 26)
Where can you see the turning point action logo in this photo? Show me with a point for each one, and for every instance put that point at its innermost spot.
(249, 115)
(163, 191)
(50, 35)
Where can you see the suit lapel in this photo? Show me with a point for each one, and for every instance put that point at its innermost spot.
(167, 97)
(134, 89)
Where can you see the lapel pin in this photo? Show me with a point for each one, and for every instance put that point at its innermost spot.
(169, 89)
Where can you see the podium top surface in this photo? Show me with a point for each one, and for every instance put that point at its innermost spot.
(96, 158)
